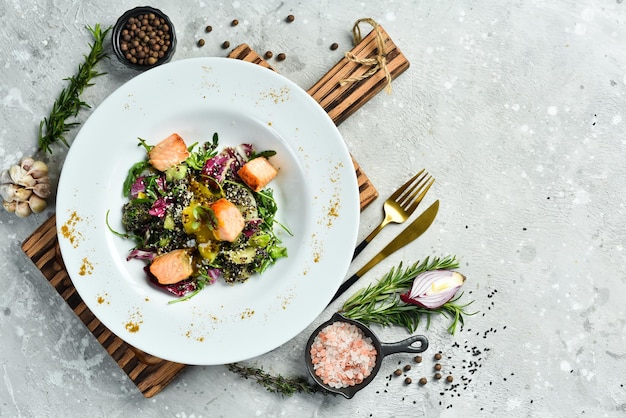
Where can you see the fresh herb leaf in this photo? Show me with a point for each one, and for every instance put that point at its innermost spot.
(276, 384)
(53, 128)
(380, 302)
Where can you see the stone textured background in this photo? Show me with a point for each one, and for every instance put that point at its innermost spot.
(515, 107)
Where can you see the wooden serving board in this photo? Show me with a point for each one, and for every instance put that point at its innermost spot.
(151, 374)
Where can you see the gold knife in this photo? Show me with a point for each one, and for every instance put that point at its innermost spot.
(417, 228)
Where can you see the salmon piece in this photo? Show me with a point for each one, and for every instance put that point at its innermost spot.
(229, 222)
(172, 267)
(168, 153)
(257, 173)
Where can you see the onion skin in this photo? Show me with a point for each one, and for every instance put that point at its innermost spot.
(433, 289)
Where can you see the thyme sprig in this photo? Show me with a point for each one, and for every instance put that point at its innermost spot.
(276, 383)
(379, 303)
(53, 128)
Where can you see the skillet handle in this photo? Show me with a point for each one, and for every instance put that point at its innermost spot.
(406, 346)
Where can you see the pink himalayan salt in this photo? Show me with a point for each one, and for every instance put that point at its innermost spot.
(342, 356)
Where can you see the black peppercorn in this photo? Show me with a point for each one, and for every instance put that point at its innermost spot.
(438, 356)
(201, 42)
(437, 366)
(449, 379)
(418, 359)
(291, 18)
(398, 372)
(268, 54)
(334, 46)
(423, 381)
(408, 381)
(437, 376)
(144, 39)
(235, 22)
(407, 367)
(226, 44)
(281, 57)
(208, 29)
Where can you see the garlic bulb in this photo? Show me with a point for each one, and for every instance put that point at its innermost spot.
(25, 187)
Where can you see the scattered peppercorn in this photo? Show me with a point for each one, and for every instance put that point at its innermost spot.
(418, 359)
(407, 367)
(334, 46)
(291, 18)
(408, 381)
(423, 381)
(437, 366)
(145, 39)
(269, 54)
(235, 22)
(437, 375)
(281, 56)
(438, 356)
(398, 372)
(449, 379)
(200, 42)
(226, 44)
(208, 29)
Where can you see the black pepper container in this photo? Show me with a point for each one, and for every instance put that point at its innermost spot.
(117, 38)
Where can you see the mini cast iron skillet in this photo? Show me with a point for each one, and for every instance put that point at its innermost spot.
(382, 350)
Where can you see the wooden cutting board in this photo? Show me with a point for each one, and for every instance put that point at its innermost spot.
(151, 374)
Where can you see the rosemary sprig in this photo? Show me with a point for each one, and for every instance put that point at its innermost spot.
(68, 104)
(380, 303)
(276, 384)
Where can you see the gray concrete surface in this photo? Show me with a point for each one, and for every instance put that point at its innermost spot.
(516, 108)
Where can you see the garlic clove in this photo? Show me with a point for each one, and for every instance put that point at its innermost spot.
(23, 209)
(16, 172)
(41, 189)
(27, 163)
(22, 194)
(43, 180)
(5, 177)
(37, 204)
(38, 169)
(27, 181)
(8, 192)
(9, 206)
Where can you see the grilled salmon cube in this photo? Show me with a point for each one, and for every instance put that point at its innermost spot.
(172, 267)
(229, 221)
(168, 153)
(257, 173)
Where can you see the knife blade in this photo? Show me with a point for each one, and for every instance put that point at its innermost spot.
(417, 228)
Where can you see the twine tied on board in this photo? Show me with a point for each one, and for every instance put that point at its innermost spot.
(377, 62)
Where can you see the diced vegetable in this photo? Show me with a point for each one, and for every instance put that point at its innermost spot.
(172, 267)
(257, 173)
(168, 153)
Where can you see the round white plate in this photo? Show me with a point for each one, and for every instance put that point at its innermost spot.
(316, 192)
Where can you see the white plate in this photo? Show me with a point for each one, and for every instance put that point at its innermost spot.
(316, 192)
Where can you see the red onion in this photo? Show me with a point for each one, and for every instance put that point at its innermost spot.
(432, 289)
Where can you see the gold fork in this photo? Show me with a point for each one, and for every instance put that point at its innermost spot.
(400, 205)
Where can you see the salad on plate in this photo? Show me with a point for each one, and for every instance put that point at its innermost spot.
(197, 214)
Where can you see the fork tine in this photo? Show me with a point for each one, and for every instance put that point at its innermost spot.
(417, 200)
(407, 196)
(401, 190)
